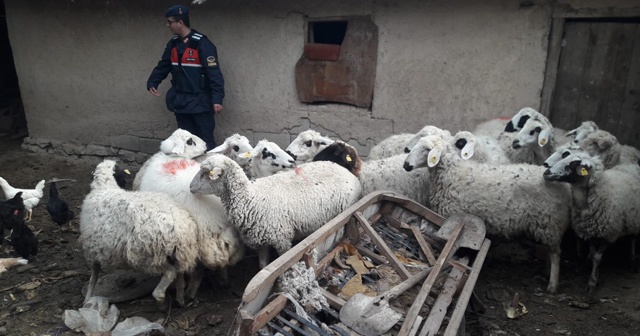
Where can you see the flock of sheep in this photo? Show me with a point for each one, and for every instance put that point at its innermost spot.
(190, 210)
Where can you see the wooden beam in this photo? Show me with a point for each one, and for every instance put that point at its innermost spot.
(269, 311)
(426, 248)
(551, 70)
(386, 251)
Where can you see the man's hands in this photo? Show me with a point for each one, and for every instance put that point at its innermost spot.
(217, 108)
(155, 92)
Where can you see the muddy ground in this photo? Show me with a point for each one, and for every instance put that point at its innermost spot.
(34, 297)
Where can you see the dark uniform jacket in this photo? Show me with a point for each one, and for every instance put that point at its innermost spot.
(197, 81)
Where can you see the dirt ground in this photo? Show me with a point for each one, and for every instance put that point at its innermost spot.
(33, 298)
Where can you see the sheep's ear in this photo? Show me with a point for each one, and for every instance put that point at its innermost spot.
(215, 173)
(543, 137)
(434, 156)
(605, 143)
(572, 132)
(220, 149)
(323, 141)
(468, 150)
(178, 149)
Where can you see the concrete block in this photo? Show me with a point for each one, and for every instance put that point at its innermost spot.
(149, 145)
(73, 149)
(129, 142)
(97, 150)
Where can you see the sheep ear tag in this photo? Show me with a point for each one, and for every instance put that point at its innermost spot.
(434, 156)
(215, 173)
(543, 138)
(468, 150)
(247, 154)
(348, 158)
(126, 171)
(583, 171)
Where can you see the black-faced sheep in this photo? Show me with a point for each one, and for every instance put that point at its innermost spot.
(605, 201)
(513, 200)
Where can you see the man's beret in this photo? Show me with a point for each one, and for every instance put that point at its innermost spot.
(177, 10)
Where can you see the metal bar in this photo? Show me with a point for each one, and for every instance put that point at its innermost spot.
(291, 325)
(280, 330)
(306, 322)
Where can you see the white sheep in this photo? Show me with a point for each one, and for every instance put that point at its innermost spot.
(306, 145)
(491, 128)
(180, 143)
(237, 147)
(611, 152)
(267, 158)
(145, 231)
(582, 131)
(382, 174)
(390, 146)
(534, 143)
(426, 130)
(513, 200)
(605, 201)
(275, 210)
(481, 148)
(218, 242)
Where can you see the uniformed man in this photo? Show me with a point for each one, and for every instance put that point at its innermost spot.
(197, 85)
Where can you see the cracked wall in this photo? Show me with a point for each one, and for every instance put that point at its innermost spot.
(83, 67)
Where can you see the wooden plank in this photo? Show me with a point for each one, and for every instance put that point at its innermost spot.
(612, 93)
(322, 264)
(597, 72)
(458, 313)
(446, 253)
(334, 301)
(564, 107)
(376, 257)
(386, 251)
(627, 130)
(419, 209)
(416, 326)
(264, 279)
(441, 305)
(551, 69)
(426, 248)
(269, 311)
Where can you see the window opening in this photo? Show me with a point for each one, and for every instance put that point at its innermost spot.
(327, 32)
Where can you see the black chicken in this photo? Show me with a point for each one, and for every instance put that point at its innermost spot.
(23, 240)
(58, 208)
(11, 214)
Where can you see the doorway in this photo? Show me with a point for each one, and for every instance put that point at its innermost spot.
(12, 119)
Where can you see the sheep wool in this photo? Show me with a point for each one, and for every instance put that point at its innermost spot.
(275, 210)
(140, 230)
(390, 146)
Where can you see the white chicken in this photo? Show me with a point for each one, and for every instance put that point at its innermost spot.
(30, 197)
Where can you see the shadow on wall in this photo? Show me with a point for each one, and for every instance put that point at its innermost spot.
(12, 119)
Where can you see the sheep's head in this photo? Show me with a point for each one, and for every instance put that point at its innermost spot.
(584, 130)
(536, 130)
(598, 142)
(267, 158)
(108, 172)
(561, 153)
(426, 153)
(237, 147)
(209, 179)
(308, 143)
(343, 154)
(576, 168)
(425, 131)
(465, 142)
(520, 119)
(183, 144)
